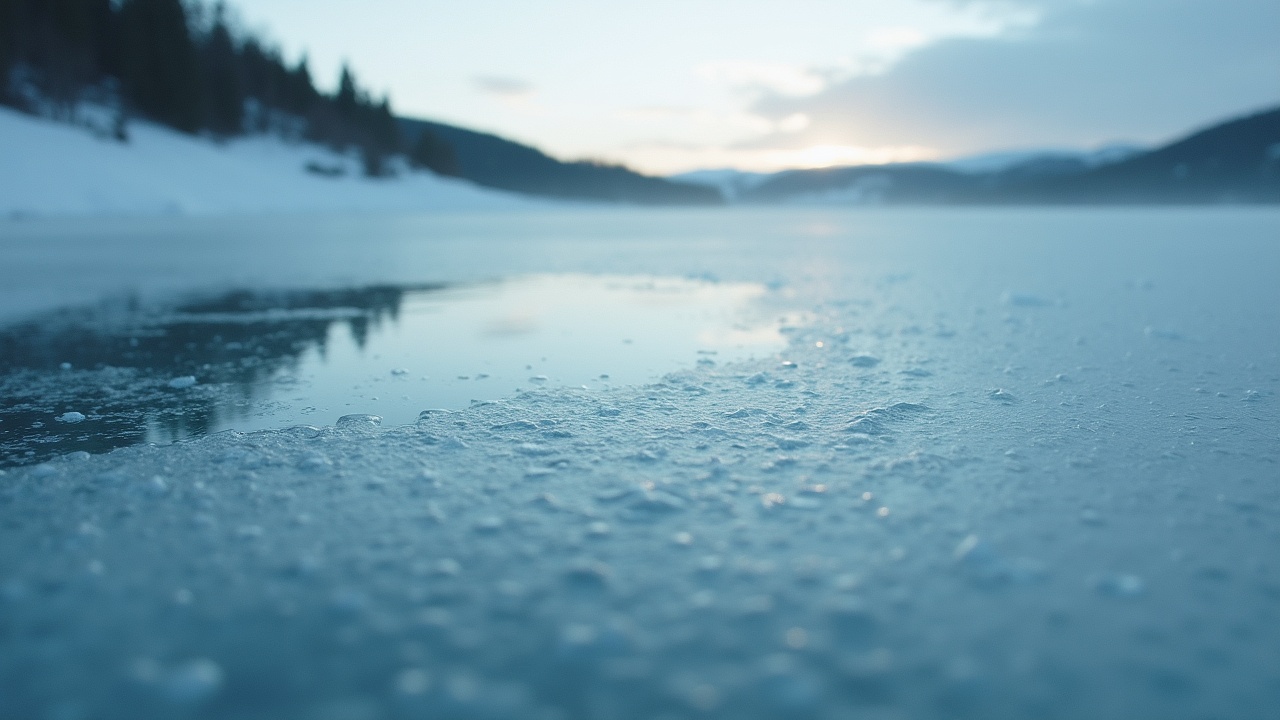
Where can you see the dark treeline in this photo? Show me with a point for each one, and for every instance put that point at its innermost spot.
(181, 64)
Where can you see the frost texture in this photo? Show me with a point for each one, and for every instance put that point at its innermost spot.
(1064, 517)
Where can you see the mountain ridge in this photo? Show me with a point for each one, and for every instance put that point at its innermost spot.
(493, 161)
(1232, 161)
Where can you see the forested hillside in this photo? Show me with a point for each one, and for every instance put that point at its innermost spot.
(181, 64)
(185, 65)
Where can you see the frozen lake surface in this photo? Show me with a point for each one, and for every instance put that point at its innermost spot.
(130, 371)
(981, 464)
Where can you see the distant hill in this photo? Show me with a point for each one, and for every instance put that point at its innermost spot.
(1237, 161)
(1234, 162)
(495, 162)
(730, 182)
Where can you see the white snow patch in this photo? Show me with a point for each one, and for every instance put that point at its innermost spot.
(52, 169)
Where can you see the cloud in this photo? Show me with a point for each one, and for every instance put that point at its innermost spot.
(507, 88)
(775, 78)
(1086, 72)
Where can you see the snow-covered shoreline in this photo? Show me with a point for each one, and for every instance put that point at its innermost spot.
(52, 169)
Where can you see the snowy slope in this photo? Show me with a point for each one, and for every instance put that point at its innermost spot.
(56, 169)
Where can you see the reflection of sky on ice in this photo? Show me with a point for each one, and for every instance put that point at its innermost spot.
(445, 348)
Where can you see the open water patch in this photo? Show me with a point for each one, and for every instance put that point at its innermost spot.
(125, 372)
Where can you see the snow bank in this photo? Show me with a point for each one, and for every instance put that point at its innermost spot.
(60, 170)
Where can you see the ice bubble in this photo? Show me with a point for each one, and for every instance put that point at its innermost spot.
(65, 366)
(491, 523)
(180, 383)
(156, 486)
(348, 601)
(586, 572)
(70, 417)
(111, 477)
(192, 681)
(1120, 585)
(249, 532)
(43, 470)
(972, 552)
(656, 503)
(796, 638)
(314, 461)
(1023, 300)
(704, 697)
(876, 421)
(578, 635)
(400, 371)
(412, 681)
(358, 420)
(514, 426)
(1089, 516)
(864, 361)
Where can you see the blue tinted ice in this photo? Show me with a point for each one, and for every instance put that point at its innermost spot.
(1012, 465)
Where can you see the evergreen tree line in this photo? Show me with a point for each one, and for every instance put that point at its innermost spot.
(181, 65)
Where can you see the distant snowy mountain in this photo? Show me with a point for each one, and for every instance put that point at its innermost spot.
(731, 183)
(736, 185)
(59, 169)
(993, 162)
(1236, 161)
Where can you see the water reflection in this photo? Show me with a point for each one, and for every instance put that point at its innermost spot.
(269, 359)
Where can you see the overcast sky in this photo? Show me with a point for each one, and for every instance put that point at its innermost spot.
(672, 85)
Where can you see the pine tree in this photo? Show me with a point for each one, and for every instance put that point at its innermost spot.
(300, 93)
(431, 153)
(223, 97)
(348, 97)
(161, 70)
(9, 21)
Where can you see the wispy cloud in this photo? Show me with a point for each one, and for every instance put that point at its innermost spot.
(507, 88)
(778, 78)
